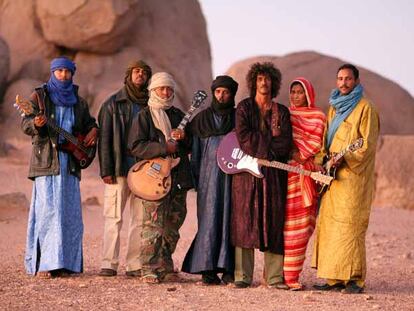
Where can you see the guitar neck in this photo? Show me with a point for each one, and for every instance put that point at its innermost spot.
(284, 167)
(186, 118)
(339, 155)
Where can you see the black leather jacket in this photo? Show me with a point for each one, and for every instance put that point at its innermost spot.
(115, 119)
(44, 160)
(146, 142)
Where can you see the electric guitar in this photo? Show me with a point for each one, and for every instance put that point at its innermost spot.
(335, 157)
(73, 143)
(232, 160)
(151, 179)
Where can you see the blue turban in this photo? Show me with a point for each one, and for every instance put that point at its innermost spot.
(63, 62)
(62, 93)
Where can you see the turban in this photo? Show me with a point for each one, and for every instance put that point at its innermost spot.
(161, 79)
(62, 62)
(227, 82)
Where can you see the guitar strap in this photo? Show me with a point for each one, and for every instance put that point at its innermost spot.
(275, 124)
(40, 101)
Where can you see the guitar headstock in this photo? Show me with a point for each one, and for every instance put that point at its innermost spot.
(23, 106)
(198, 98)
(357, 144)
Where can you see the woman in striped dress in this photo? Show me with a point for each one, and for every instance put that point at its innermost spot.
(308, 123)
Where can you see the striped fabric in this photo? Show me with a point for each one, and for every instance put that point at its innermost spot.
(308, 127)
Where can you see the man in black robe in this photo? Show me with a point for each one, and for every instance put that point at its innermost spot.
(211, 252)
(264, 131)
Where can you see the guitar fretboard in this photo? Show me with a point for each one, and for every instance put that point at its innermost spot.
(198, 99)
(284, 166)
(352, 147)
(187, 117)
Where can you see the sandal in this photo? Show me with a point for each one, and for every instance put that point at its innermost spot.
(210, 278)
(172, 277)
(60, 273)
(296, 287)
(150, 279)
(44, 275)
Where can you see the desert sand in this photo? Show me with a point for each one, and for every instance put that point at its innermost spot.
(390, 256)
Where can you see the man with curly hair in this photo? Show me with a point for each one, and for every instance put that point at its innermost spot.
(264, 131)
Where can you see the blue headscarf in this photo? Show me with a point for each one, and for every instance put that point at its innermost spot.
(62, 93)
(343, 104)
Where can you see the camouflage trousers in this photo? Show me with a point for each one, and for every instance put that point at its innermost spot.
(161, 221)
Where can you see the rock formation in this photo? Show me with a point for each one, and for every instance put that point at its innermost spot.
(4, 65)
(395, 172)
(99, 26)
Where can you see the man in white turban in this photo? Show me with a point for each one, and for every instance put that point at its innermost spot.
(154, 134)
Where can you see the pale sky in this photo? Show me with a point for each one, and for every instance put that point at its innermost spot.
(375, 34)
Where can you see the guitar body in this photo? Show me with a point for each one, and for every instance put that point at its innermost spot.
(232, 160)
(150, 179)
(330, 171)
(84, 156)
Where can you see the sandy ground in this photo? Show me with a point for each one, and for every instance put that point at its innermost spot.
(390, 254)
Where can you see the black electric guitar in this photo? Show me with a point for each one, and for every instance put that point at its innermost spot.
(151, 179)
(73, 143)
(335, 157)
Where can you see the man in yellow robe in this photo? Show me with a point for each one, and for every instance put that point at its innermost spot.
(339, 248)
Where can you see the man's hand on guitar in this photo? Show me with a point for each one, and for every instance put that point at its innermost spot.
(172, 147)
(337, 163)
(296, 156)
(40, 120)
(91, 138)
(177, 134)
(109, 180)
(318, 168)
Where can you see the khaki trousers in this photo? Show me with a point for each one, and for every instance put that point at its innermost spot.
(273, 266)
(115, 199)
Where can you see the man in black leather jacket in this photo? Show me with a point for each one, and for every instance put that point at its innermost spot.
(115, 119)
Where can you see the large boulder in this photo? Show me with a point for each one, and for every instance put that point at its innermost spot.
(99, 26)
(10, 127)
(172, 36)
(321, 71)
(395, 172)
(101, 75)
(164, 41)
(29, 51)
(4, 66)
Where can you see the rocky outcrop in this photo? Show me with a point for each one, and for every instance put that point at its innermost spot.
(321, 71)
(4, 65)
(100, 26)
(169, 36)
(395, 172)
(29, 51)
(164, 42)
